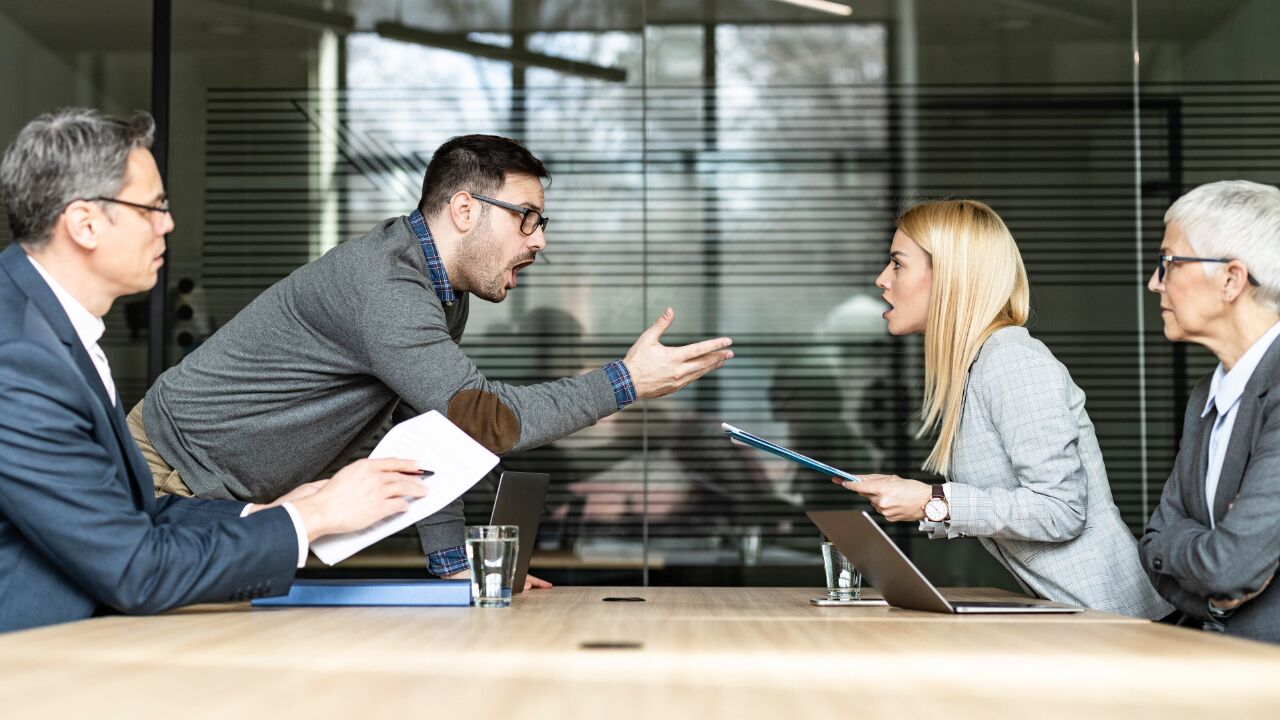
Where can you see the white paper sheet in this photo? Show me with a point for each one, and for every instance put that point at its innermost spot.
(436, 444)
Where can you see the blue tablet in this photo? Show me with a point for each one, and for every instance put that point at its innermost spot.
(745, 438)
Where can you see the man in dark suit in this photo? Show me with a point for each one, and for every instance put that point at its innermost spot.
(1212, 546)
(81, 532)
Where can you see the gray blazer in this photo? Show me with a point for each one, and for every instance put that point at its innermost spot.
(1027, 480)
(1189, 562)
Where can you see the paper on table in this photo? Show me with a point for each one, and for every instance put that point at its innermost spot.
(436, 444)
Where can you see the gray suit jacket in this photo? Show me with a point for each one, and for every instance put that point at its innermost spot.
(1027, 479)
(1189, 562)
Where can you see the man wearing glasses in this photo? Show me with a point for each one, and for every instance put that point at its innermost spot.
(320, 361)
(81, 531)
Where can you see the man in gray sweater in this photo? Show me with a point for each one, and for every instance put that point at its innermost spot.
(321, 360)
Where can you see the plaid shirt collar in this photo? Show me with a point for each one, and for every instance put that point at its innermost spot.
(435, 266)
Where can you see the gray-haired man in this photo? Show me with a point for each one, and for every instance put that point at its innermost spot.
(81, 532)
(325, 356)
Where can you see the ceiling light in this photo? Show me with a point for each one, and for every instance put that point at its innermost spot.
(834, 8)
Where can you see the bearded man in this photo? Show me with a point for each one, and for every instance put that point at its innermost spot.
(322, 359)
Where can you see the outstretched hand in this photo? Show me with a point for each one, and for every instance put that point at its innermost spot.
(658, 370)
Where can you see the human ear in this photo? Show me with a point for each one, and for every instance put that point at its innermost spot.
(462, 210)
(80, 220)
(1236, 278)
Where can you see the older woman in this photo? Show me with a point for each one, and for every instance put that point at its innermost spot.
(1025, 474)
(1214, 541)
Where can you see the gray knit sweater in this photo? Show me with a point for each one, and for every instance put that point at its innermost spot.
(305, 374)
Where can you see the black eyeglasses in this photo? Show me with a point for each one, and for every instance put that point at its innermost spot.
(1163, 266)
(160, 210)
(530, 220)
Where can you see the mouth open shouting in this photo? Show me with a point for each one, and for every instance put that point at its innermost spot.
(522, 264)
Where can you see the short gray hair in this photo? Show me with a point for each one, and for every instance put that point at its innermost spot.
(1235, 219)
(61, 157)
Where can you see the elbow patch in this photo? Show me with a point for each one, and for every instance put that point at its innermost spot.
(482, 415)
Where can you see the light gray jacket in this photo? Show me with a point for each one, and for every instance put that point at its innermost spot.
(1191, 562)
(1027, 480)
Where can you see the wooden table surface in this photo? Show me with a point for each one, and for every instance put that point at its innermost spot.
(684, 652)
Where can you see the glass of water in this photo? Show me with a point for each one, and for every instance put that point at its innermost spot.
(844, 582)
(491, 557)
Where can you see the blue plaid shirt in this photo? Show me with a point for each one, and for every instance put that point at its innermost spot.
(454, 559)
(447, 561)
(435, 266)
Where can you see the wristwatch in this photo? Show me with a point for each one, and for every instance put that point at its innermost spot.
(937, 509)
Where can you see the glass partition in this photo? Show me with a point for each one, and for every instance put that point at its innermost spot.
(740, 161)
(97, 56)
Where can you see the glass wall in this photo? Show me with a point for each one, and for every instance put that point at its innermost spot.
(740, 161)
(98, 56)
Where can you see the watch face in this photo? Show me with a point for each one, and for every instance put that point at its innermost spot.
(936, 510)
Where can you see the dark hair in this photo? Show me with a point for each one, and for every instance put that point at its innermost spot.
(478, 164)
(61, 157)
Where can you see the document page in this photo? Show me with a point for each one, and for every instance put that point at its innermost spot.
(436, 444)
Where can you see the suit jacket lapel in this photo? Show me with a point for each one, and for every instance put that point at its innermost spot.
(140, 471)
(1240, 446)
(14, 260)
(1199, 503)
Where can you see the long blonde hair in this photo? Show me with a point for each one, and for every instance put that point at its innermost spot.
(979, 286)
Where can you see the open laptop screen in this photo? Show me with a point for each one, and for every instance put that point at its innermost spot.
(519, 502)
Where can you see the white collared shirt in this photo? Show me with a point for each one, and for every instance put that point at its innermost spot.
(1224, 393)
(89, 328)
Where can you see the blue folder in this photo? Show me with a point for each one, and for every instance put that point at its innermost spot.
(372, 593)
(743, 437)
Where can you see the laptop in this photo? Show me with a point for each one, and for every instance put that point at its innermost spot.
(899, 581)
(519, 501)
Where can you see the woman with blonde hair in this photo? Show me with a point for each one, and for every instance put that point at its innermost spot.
(1023, 470)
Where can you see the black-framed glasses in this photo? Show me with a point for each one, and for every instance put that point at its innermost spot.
(162, 209)
(1162, 267)
(530, 219)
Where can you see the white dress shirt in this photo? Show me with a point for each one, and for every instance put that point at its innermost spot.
(1224, 393)
(89, 328)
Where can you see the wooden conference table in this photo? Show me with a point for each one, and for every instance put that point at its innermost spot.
(685, 652)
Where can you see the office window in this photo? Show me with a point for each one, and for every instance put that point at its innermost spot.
(740, 162)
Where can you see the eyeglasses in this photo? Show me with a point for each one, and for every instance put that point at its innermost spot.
(1163, 266)
(162, 208)
(530, 220)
